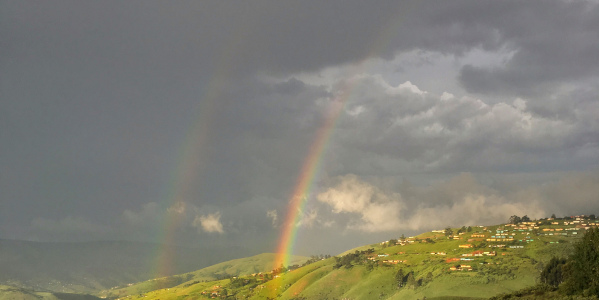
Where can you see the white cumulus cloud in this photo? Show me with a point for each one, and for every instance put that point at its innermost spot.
(377, 210)
(209, 223)
(466, 203)
(273, 215)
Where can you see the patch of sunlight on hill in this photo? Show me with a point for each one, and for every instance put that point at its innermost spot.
(236, 267)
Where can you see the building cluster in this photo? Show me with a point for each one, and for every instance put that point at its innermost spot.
(214, 292)
(480, 253)
(461, 268)
(510, 236)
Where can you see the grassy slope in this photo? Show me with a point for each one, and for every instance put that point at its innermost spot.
(242, 266)
(510, 270)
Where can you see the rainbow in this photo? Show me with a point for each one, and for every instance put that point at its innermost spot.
(190, 157)
(188, 168)
(299, 197)
(306, 178)
(311, 166)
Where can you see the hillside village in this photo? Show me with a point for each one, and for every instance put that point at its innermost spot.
(442, 262)
(507, 236)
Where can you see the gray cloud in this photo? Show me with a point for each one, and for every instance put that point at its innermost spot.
(553, 42)
(99, 100)
(449, 133)
(66, 228)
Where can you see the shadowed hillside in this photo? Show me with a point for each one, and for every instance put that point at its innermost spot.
(14, 293)
(94, 266)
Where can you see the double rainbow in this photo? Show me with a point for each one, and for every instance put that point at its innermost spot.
(189, 164)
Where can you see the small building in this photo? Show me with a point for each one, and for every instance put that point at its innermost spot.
(461, 268)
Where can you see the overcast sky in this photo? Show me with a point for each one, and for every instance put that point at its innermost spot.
(117, 118)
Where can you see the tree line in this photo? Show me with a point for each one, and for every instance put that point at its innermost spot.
(574, 276)
(579, 273)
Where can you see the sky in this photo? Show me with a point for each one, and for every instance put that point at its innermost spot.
(190, 122)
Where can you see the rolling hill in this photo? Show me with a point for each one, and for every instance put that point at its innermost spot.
(470, 263)
(237, 267)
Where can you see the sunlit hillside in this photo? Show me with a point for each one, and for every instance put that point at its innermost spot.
(228, 269)
(475, 262)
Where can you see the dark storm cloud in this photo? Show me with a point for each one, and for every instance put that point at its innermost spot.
(154, 42)
(552, 43)
(165, 44)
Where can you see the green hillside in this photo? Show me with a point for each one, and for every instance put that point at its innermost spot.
(237, 267)
(459, 263)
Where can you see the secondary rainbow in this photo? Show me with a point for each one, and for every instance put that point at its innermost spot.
(191, 155)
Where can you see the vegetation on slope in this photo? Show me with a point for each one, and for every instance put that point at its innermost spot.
(237, 267)
(576, 277)
(455, 263)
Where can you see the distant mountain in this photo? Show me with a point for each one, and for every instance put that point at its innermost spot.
(93, 266)
(14, 293)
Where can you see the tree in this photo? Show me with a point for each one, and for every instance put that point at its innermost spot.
(514, 219)
(583, 272)
(448, 231)
(553, 216)
(553, 273)
(411, 282)
(525, 218)
(592, 216)
(399, 278)
(369, 265)
(469, 229)
(429, 277)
